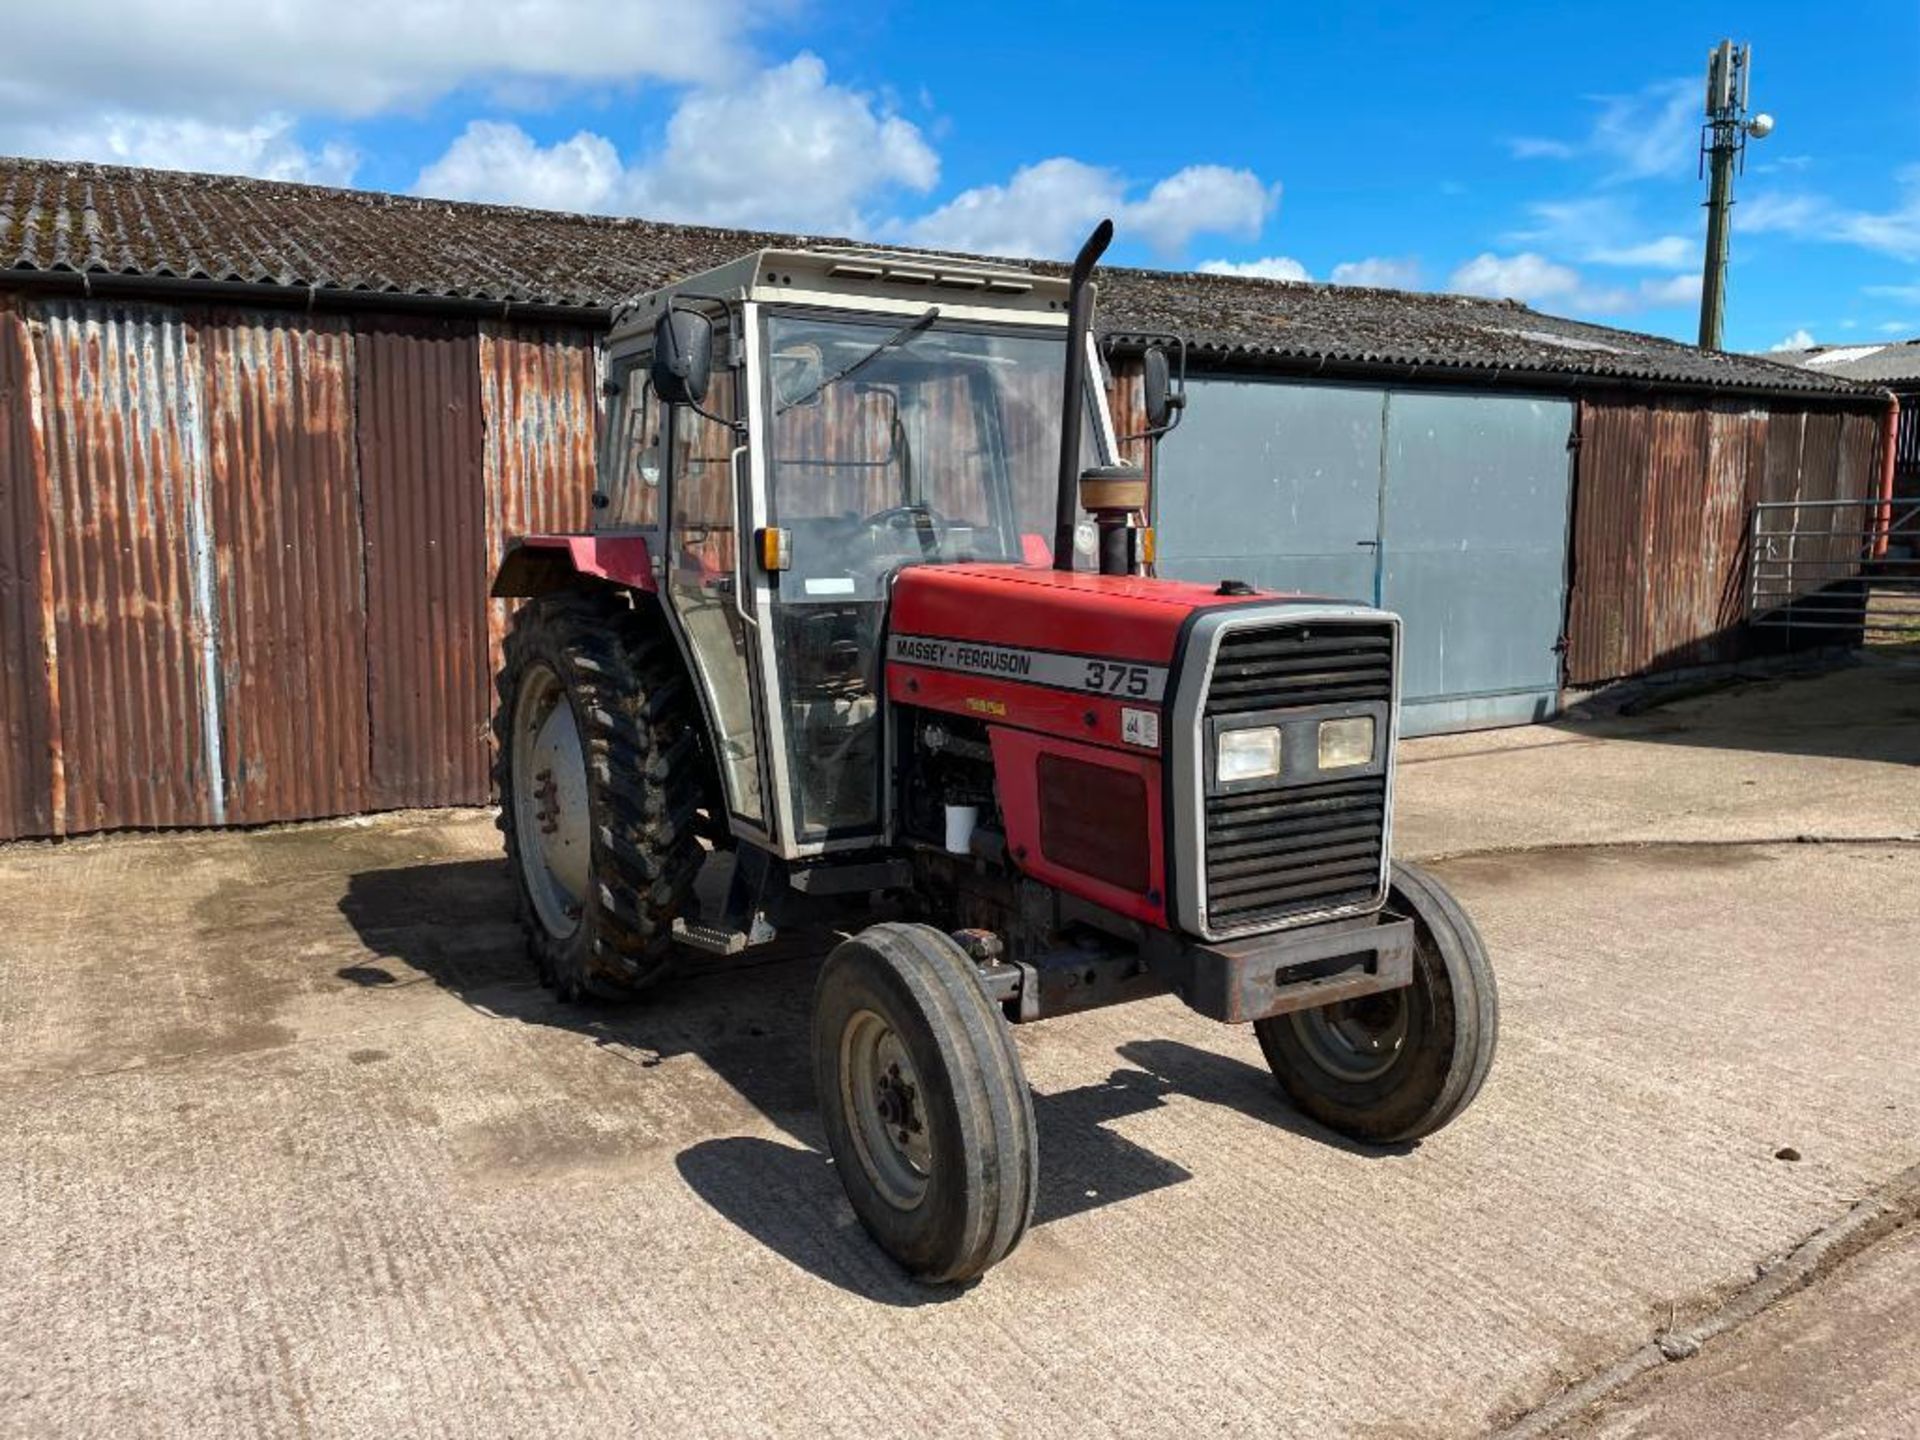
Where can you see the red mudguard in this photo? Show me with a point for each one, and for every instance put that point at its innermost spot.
(535, 564)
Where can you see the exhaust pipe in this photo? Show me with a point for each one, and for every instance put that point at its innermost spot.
(1073, 401)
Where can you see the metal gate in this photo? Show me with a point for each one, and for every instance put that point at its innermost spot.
(1448, 507)
(1837, 571)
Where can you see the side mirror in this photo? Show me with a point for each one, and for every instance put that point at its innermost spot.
(1162, 400)
(682, 357)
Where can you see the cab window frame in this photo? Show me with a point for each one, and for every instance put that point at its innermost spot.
(619, 467)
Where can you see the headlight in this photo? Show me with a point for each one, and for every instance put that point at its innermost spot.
(1247, 755)
(1345, 742)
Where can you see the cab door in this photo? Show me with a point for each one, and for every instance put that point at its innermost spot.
(702, 571)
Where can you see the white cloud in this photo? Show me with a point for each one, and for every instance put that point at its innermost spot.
(1667, 252)
(1603, 230)
(1380, 272)
(1526, 276)
(267, 148)
(1273, 267)
(1047, 208)
(787, 149)
(493, 160)
(1673, 290)
(1201, 200)
(1653, 132)
(1383, 272)
(1778, 211)
(1799, 340)
(1532, 147)
(1896, 327)
(206, 85)
(1536, 280)
(1894, 231)
(218, 60)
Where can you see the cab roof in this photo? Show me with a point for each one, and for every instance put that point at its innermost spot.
(861, 278)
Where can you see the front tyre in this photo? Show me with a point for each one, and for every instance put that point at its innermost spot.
(597, 768)
(927, 1111)
(1397, 1066)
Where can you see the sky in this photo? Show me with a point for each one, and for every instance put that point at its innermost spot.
(1541, 152)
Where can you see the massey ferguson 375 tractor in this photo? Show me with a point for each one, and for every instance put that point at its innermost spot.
(840, 618)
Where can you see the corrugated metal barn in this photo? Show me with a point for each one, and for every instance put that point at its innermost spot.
(1894, 367)
(1549, 504)
(260, 445)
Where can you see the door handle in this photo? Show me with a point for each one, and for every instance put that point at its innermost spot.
(1368, 544)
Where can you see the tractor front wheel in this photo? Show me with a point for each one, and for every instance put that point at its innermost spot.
(926, 1108)
(1394, 1067)
(596, 766)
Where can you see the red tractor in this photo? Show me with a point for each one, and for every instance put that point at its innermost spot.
(841, 619)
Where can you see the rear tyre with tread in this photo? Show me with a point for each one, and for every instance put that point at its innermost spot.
(598, 772)
(926, 1107)
(1391, 1068)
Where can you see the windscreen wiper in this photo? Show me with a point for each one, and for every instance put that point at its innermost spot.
(894, 341)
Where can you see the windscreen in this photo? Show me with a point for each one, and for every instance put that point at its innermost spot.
(941, 445)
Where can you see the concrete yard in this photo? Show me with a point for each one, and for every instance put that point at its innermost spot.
(291, 1143)
(1839, 1359)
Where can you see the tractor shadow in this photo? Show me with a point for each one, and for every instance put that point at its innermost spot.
(746, 1019)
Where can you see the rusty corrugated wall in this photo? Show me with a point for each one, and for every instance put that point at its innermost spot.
(1127, 398)
(29, 782)
(1906, 467)
(540, 393)
(423, 505)
(136, 734)
(285, 510)
(1662, 496)
(244, 554)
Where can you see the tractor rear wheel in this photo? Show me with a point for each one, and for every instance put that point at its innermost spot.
(926, 1107)
(597, 770)
(1397, 1066)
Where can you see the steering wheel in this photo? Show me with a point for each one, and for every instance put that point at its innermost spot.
(902, 517)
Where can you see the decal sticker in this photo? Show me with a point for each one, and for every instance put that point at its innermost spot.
(1140, 727)
(986, 707)
(1087, 674)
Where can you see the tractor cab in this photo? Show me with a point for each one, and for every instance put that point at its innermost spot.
(788, 432)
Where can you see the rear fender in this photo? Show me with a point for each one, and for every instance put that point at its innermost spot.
(536, 564)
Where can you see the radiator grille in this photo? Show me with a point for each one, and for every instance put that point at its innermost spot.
(1267, 669)
(1289, 849)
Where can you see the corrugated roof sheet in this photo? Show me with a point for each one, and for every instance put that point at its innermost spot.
(110, 220)
(1894, 363)
(1348, 326)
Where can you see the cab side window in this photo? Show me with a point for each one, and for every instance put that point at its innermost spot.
(704, 504)
(633, 467)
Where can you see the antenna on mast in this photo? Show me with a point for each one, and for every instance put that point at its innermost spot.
(1723, 152)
